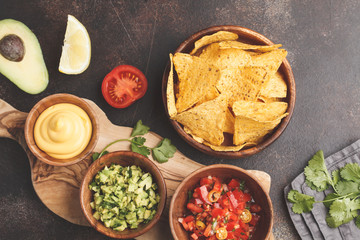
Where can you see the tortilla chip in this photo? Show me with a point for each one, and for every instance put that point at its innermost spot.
(244, 46)
(275, 88)
(229, 122)
(225, 58)
(207, 120)
(197, 80)
(249, 83)
(228, 148)
(270, 100)
(196, 138)
(170, 95)
(251, 131)
(262, 112)
(216, 37)
(270, 60)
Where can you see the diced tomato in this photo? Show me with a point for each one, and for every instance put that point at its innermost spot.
(207, 230)
(206, 181)
(213, 237)
(247, 197)
(198, 201)
(231, 235)
(191, 225)
(216, 205)
(255, 208)
(194, 208)
(196, 195)
(217, 185)
(230, 225)
(194, 236)
(244, 226)
(255, 219)
(185, 225)
(234, 183)
(218, 212)
(239, 195)
(189, 218)
(232, 216)
(241, 205)
(204, 194)
(232, 199)
(241, 234)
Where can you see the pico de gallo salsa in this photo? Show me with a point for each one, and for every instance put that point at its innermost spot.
(220, 210)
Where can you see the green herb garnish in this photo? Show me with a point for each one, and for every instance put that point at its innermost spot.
(161, 153)
(343, 204)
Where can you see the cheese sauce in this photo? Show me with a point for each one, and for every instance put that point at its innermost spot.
(63, 130)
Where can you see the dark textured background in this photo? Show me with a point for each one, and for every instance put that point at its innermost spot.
(320, 36)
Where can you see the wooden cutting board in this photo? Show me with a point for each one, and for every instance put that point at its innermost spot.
(58, 187)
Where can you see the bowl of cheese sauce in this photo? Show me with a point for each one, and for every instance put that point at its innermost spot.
(61, 129)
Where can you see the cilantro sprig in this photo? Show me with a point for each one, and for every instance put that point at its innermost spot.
(343, 203)
(161, 153)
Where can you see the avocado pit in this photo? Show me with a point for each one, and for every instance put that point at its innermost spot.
(12, 48)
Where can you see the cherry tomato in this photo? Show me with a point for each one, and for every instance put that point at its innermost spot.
(123, 86)
(221, 233)
(245, 216)
(214, 195)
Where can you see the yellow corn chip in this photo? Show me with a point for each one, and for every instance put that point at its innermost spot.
(225, 58)
(270, 60)
(251, 131)
(216, 37)
(198, 139)
(244, 46)
(207, 120)
(197, 80)
(229, 122)
(170, 95)
(262, 112)
(249, 83)
(275, 88)
(229, 148)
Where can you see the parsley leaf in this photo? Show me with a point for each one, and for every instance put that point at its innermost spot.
(139, 129)
(164, 151)
(301, 202)
(351, 172)
(316, 173)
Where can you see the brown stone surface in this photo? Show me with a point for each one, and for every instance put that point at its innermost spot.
(320, 36)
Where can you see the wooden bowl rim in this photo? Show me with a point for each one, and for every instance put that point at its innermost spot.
(218, 166)
(291, 96)
(29, 135)
(84, 187)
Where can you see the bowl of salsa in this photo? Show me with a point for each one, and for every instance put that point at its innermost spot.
(221, 202)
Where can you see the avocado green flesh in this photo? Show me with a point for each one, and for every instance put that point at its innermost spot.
(30, 74)
(124, 197)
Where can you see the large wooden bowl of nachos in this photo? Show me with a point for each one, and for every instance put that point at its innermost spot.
(229, 91)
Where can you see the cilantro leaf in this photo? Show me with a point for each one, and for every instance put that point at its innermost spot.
(336, 176)
(344, 210)
(351, 172)
(301, 202)
(346, 187)
(357, 222)
(96, 155)
(316, 173)
(139, 140)
(139, 129)
(164, 151)
(330, 198)
(331, 222)
(140, 149)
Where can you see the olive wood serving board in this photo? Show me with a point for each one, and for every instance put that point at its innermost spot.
(58, 187)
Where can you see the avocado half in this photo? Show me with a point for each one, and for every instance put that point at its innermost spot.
(21, 59)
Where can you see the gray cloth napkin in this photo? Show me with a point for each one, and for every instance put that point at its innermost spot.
(313, 225)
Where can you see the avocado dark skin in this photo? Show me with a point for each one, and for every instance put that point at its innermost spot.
(12, 48)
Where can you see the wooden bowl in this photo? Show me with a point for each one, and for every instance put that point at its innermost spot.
(48, 102)
(261, 197)
(123, 158)
(246, 36)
